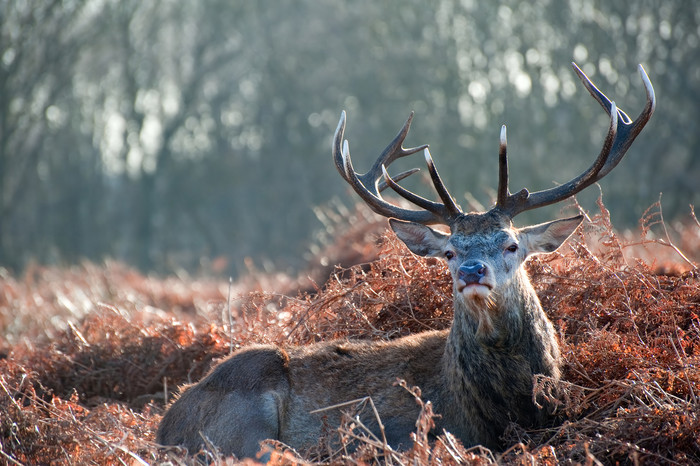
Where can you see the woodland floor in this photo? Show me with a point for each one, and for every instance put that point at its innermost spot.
(89, 354)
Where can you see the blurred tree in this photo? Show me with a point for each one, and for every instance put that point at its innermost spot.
(163, 132)
(39, 46)
(169, 64)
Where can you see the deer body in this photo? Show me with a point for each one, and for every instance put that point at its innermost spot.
(478, 374)
(304, 379)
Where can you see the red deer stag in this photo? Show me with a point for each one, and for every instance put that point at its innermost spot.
(478, 374)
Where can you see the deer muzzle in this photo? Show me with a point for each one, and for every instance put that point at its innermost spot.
(472, 272)
(473, 279)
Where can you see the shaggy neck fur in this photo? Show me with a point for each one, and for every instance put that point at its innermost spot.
(494, 349)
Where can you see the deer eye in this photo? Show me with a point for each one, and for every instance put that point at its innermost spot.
(449, 255)
(512, 248)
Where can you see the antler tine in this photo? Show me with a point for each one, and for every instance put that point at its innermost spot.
(451, 209)
(393, 151)
(628, 130)
(447, 211)
(383, 184)
(408, 195)
(502, 193)
(621, 134)
(367, 186)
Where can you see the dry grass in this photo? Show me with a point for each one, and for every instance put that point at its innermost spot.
(90, 353)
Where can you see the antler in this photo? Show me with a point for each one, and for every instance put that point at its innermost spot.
(620, 137)
(621, 134)
(368, 186)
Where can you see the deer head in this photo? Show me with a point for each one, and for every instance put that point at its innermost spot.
(483, 249)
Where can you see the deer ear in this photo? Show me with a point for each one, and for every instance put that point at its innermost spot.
(547, 237)
(420, 239)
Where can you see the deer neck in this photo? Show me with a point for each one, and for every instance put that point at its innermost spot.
(511, 330)
(491, 355)
(498, 321)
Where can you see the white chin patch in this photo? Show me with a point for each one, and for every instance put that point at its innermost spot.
(476, 292)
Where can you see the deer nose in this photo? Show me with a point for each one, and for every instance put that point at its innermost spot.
(472, 272)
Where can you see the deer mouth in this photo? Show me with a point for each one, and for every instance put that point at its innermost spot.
(474, 290)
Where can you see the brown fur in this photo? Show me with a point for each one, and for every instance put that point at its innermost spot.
(478, 375)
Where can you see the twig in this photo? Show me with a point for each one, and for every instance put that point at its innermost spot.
(11, 398)
(382, 443)
(339, 405)
(685, 372)
(230, 316)
(692, 214)
(9, 458)
(112, 446)
(590, 459)
(448, 441)
(668, 241)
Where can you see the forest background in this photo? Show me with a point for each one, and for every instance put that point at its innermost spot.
(188, 136)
